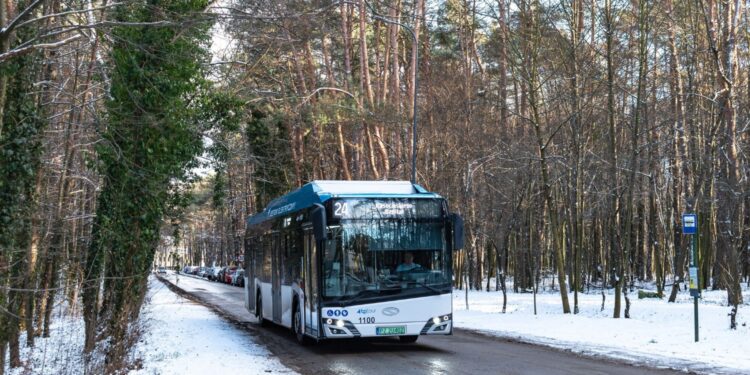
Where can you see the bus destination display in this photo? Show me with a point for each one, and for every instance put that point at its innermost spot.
(385, 208)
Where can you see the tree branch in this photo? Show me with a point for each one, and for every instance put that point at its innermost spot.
(13, 24)
(42, 18)
(21, 51)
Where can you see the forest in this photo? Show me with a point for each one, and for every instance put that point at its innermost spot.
(571, 135)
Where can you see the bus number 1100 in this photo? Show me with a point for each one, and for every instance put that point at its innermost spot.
(367, 320)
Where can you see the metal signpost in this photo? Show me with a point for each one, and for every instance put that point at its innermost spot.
(690, 227)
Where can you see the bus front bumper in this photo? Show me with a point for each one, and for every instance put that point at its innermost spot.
(340, 328)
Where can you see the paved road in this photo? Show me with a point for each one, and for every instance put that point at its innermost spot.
(464, 352)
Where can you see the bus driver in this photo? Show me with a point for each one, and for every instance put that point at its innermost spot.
(408, 264)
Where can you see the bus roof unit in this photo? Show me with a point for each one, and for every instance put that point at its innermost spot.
(320, 191)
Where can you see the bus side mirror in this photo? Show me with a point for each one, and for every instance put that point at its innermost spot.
(319, 222)
(458, 231)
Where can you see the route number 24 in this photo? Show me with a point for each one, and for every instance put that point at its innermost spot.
(340, 209)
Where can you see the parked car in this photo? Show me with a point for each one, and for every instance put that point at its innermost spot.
(213, 273)
(202, 272)
(238, 279)
(228, 274)
(161, 270)
(220, 274)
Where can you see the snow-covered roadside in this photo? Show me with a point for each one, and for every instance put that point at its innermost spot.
(658, 334)
(186, 338)
(59, 354)
(179, 337)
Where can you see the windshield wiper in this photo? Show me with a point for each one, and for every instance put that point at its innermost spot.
(366, 293)
(355, 297)
(432, 288)
(374, 292)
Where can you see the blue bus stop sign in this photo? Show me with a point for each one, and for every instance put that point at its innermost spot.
(690, 226)
(689, 223)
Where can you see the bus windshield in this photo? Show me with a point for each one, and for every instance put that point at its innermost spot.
(383, 258)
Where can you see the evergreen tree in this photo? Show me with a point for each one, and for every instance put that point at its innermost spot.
(20, 144)
(152, 138)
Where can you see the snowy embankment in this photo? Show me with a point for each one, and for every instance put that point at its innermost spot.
(59, 354)
(179, 337)
(186, 338)
(658, 334)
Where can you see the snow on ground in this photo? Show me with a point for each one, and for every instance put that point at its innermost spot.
(180, 337)
(659, 333)
(59, 354)
(186, 338)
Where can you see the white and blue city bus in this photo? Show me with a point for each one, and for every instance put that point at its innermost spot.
(350, 259)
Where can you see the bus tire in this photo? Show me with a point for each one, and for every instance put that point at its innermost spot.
(259, 311)
(299, 331)
(408, 339)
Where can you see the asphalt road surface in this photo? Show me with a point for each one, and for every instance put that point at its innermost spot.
(465, 352)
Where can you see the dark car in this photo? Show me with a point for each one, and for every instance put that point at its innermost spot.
(203, 272)
(239, 278)
(213, 273)
(220, 275)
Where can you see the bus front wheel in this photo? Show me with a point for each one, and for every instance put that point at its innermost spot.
(408, 339)
(299, 331)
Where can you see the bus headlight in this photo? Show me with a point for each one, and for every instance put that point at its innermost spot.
(436, 320)
(339, 323)
(329, 321)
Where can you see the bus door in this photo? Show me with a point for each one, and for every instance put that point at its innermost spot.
(311, 284)
(276, 276)
(250, 249)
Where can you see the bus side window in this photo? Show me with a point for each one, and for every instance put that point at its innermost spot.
(267, 255)
(250, 257)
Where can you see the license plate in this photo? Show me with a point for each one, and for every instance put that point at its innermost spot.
(384, 331)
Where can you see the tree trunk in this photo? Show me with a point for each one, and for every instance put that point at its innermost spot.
(542, 144)
(364, 61)
(614, 222)
(347, 33)
(729, 225)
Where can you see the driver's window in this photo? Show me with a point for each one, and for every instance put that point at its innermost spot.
(356, 254)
